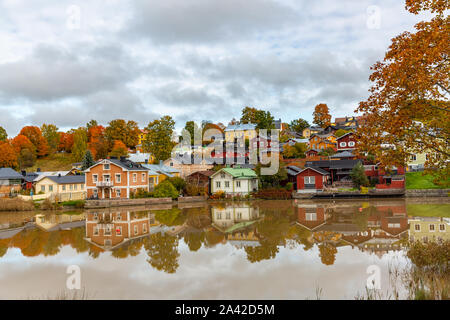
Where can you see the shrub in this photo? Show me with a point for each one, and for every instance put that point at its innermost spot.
(193, 190)
(141, 193)
(218, 195)
(358, 176)
(165, 190)
(74, 203)
(289, 186)
(178, 183)
(15, 205)
(47, 204)
(278, 194)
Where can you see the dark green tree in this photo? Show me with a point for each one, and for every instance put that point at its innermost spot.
(358, 176)
(88, 160)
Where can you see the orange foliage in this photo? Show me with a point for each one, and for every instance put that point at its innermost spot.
(8, 157)
(22, 142)
(34, 134)
(322, 115)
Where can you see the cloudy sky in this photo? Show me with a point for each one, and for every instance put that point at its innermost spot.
(66, 62)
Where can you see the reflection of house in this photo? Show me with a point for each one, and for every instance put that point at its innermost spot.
(60, 221)
(112, 229)
(429, 229)
(310, 216)
(226, 217)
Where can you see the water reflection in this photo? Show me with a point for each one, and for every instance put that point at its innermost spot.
(259, 229)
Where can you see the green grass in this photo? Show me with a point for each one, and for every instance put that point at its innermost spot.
(416, 180)
(429, 210)
(74, 203)
(54, 162)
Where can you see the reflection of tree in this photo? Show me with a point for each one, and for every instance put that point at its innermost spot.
(162, 250)
(77, 240)
(131, 249)
(327, 253)
(265, 251)
(51, 247)
(194, 240)
(170, 217)
(303, 237)
(3, 250)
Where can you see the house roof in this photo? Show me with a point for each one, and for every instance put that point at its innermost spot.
(239, 173)
(318, 170)
(293, 170)
(68, 179)
(128, 164)
(8, 173)
(343, 154)
(345, 135)
(244, 126)
(42, 174)
(333, 164)
(139, 157)
(206, 173)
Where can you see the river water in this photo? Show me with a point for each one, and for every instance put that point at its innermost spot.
(243, 250)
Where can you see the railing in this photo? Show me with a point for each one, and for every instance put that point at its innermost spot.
(104, 183)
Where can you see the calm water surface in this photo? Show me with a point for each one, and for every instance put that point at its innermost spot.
(254, 250)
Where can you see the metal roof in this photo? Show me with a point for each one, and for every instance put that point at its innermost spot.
(8, 173)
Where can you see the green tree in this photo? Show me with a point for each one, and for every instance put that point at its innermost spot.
(178, 183)
(298, 125)
(165, 190)
(125, 131)
(79, 144)
(50, 133)
(3, 134)
(159, 138)
(26, 159)
(92, 123)
(272, 181)
(358, 176)
(262, 119)
(88, 160)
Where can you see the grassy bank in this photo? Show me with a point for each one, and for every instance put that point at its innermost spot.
(417, 180)
(16, 205)
(54, 162)
(429, 210)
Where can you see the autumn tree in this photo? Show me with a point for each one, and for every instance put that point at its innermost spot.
(79, 144)
(192, 128)
(8, 157)
(159, 138)
(125, 131)
(97, 142)
(50, 133)
(90, 124)
(408, 108)
(21, 142)
(322, 115)
(262, 119)
(119, 149)
(34, 134)
(162, 251)
(3, 134)
(298, 125)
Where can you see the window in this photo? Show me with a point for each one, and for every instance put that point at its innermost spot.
(96, 231)
(108, 243)
(118, 193)
(50, 188)
(94, 178)
(310, 180)
(222, 175)
(217, 184)
(82, 186)
(393, 225)
(219, 216)
(238, 184)
(351, 144)
(134, 177)
(43, 188)
(64, 188)
(108, 230)
(118, 231)
(431, 227)
(118, 178)
(311, 216)
(442, 227)
(71, 187)
(413, 157)
(143, 177)
(227, 184)
(75, 186)
(106, 177)
(144, 228)
(95, 193)
(106, 166)
(228, 216)
(417, 227)
(119, 217)
(135, 229)
(342, 144)
(239, 215)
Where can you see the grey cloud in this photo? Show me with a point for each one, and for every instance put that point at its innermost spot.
(201, 21)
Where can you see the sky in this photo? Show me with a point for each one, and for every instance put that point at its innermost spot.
(67, 62)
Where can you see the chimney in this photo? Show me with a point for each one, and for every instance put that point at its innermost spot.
(146, 161)
(38, 170)
(24, 173)
(160, 162)
(59, 175)
(123, 158)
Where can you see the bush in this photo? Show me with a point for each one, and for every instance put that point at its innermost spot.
(47, 204)
(178, 183)
(141, 193)
(15, 205)
(289, 186)
(74, 203)
(358, 176)
(193, 190)
(165, 190)
(278, 194)
(218, 195)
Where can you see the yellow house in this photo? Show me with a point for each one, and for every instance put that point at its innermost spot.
(142, 136)
(237, 131)
(321, 143)
(160, 172)
(416, 161)
(64, 187)
(308, 132)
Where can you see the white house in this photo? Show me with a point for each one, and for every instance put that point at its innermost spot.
(234, 181)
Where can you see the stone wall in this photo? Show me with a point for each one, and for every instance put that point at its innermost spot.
(126, 202)
(191, 199)
(427, 193)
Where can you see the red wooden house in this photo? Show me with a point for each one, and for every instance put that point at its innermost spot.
(346, 142)
(311, 178)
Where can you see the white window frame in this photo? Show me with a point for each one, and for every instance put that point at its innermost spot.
(106, 167)
(441, 229)
(120, 232)
(217, 184)
(118, 193)
(342, 144)
(144, 228)
(118, 178)
(417, 227)
(94, 178)
(238, 184)
(136, 229)
(434, 227)
(134, 177)
(144, 177)
(107, 177)
(351, 143)
(309, 180)
(227, 184)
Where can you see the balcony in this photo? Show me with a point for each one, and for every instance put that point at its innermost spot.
(104, 184)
